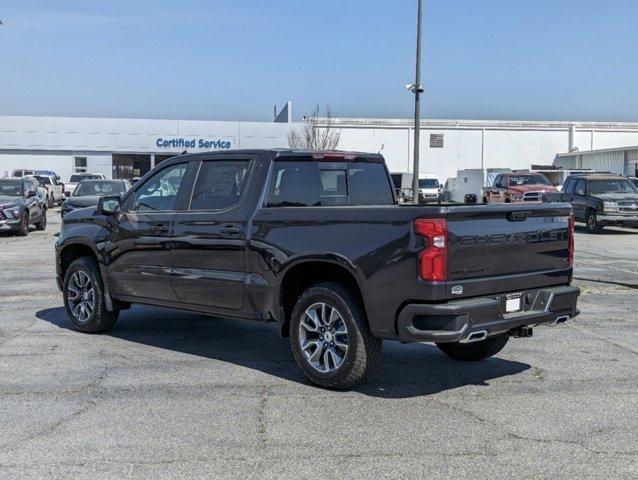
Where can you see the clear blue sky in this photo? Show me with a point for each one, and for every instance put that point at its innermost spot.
(234, 59)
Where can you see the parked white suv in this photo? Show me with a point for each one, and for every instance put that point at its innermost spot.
(76, 178)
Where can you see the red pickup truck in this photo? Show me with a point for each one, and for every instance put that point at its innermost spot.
(518, 188)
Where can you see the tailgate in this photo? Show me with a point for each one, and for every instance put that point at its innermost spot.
(504, 248)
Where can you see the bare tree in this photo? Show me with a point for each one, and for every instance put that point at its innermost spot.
(314, 136)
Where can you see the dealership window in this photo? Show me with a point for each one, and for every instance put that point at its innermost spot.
(79, 164)
(436, 140)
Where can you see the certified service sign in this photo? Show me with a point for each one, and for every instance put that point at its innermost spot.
(199, 143)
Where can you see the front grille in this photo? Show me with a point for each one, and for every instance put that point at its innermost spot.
(532, 197)
(628, 207)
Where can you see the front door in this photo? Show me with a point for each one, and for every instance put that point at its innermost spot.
(210, 235)
(138, 250)
(579, 200)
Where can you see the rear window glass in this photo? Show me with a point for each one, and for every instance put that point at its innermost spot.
(313, 184)
(43, 180)
(79, 178)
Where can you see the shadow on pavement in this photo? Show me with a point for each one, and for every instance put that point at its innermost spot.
(406, 370)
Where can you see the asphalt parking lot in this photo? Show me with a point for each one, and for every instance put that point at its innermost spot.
(176, 395)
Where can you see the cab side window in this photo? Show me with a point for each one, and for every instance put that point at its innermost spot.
(568, 187)
(159, 192)
(219, 185)
(580, 187)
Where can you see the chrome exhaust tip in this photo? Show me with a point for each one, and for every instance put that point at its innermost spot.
(475, 337)
(561, 319)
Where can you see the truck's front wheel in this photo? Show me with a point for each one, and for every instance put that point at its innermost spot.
(330, 338)
(83, 294)
(476, 350)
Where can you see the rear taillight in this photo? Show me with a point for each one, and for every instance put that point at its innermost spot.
(432, 260)
(570, 240)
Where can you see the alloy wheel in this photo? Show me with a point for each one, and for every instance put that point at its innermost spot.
(81, 296)
(323, 337)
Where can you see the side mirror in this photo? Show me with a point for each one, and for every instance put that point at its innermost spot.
(31, 194)
(108, 205)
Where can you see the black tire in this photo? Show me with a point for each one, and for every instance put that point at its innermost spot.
(484, 200)
(42, 224)
(23, 229)
(474, 351)
(591, 222)
(363, 350)
(100, 319)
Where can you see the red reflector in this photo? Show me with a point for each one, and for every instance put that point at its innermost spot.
(570, 240)
(432, 260)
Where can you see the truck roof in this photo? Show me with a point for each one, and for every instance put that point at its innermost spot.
(335, 155)
(598, 176)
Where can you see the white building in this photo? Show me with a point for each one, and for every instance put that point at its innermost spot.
(451, 145)
(622, 160)
(130, 147)
(121, 148)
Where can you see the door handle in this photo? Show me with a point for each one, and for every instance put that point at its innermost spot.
(159, 228)
(229, 230)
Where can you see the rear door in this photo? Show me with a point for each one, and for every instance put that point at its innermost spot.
(139, 255)
(209, 238)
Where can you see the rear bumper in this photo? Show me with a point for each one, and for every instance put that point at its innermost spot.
(455, 321)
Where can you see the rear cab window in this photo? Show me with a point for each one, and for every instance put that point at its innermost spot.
(328, 183)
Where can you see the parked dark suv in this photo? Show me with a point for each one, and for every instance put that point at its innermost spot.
(600, 200)
(316, 242)
(19, 205)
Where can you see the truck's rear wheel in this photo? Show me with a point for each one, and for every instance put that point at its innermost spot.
(476, 350)
(84, 298)
(330, 337)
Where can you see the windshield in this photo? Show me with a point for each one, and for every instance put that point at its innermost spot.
(79, 178)
(107, 187)
(620, 185)
(428, 183)
(11, 188)
(528, 180)
(43, 180)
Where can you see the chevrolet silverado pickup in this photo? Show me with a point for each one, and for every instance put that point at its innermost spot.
(317, 242)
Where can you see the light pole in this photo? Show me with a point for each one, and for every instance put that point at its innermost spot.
(417, 89)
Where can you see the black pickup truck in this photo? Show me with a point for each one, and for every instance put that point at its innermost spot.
(317, 242)
(599, 200)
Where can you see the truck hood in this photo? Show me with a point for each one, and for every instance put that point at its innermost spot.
(7, 200)
(532, 188)
(84, 201)
(618, 197)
